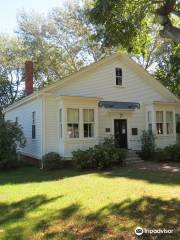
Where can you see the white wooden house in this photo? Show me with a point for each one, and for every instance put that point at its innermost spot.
(112, 97)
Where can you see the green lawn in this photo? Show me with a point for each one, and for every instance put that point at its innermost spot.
(74, 205)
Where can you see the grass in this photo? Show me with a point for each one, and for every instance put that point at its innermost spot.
(70, 205)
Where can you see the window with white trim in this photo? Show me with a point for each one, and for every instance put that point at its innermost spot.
(73, 123)
(16, 120)
(88, 121)
(33, 125)
(169, 122)
(159, 122)
(60, 123)
(118, 76)
(149, 117)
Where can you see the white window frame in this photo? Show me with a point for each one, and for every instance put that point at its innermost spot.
(73, 123)
(158, 122)
(33, 125)
(118, 76)
(170, 123)
(89, 123)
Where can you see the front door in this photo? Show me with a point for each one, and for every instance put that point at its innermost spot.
(120, 133)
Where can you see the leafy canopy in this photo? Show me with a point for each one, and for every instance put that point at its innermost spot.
(127, 23)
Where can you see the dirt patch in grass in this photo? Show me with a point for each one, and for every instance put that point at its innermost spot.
(165, 167)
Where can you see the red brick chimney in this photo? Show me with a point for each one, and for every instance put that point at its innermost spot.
(28, 77)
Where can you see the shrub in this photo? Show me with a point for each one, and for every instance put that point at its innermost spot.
(173, 152)
(170, 153)
(11, 137)
(100, 157)
(147, 145)
(51, 161)
(160, 155)
(84, 159)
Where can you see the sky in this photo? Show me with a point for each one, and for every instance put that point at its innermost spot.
(9, 8)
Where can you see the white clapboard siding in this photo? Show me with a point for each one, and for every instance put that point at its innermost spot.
(33, 147)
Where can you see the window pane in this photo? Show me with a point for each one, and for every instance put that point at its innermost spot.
(76, 130)
(76, 115)
(118, 72)
(159, 116)
(70, 130)
(91, 115)
(72, 115)
(86, 130)
(86, 115)
(33, 117)
(33, 131)
(91, 130)
(159, 128)
(73, 130)
(169, 117)
(118, 81)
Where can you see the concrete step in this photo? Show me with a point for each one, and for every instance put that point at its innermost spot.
(134, 162)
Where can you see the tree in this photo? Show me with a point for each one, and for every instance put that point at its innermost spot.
(60, 43)
(126, 23)
(168, 70)
(11, 69)
(11, 136)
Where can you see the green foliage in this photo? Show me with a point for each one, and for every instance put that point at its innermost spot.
(11, 69)
(168, 68)
(100, 157)
(122, 23)
(147, 145)
(52, 161)
(11, 137)
(168, 154)
(127, 23)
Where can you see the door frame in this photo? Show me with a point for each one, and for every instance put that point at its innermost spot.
(123, 118)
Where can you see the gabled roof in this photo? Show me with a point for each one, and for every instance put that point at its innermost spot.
(121, 56)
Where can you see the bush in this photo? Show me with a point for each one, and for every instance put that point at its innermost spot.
(51, 161)
(173, 152)
(100, 157)
(11, 137)
(84, 159)
(168, 154)
(147, 145)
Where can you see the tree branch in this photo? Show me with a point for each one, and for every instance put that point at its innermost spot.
(169, 31)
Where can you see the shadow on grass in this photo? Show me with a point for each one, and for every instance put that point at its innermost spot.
(114, 221)
(151, 176)
(11, 213)
(31, 174)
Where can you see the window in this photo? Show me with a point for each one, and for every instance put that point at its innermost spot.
(150, 120)
(159, 122)
(73, 123)
(33, 125)
(169, 122)
(60, 123)
(16, 121)
(119, 76)
(107, 130)
(88, 119)
(134, 131)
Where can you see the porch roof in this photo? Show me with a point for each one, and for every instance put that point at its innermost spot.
(119, 105)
